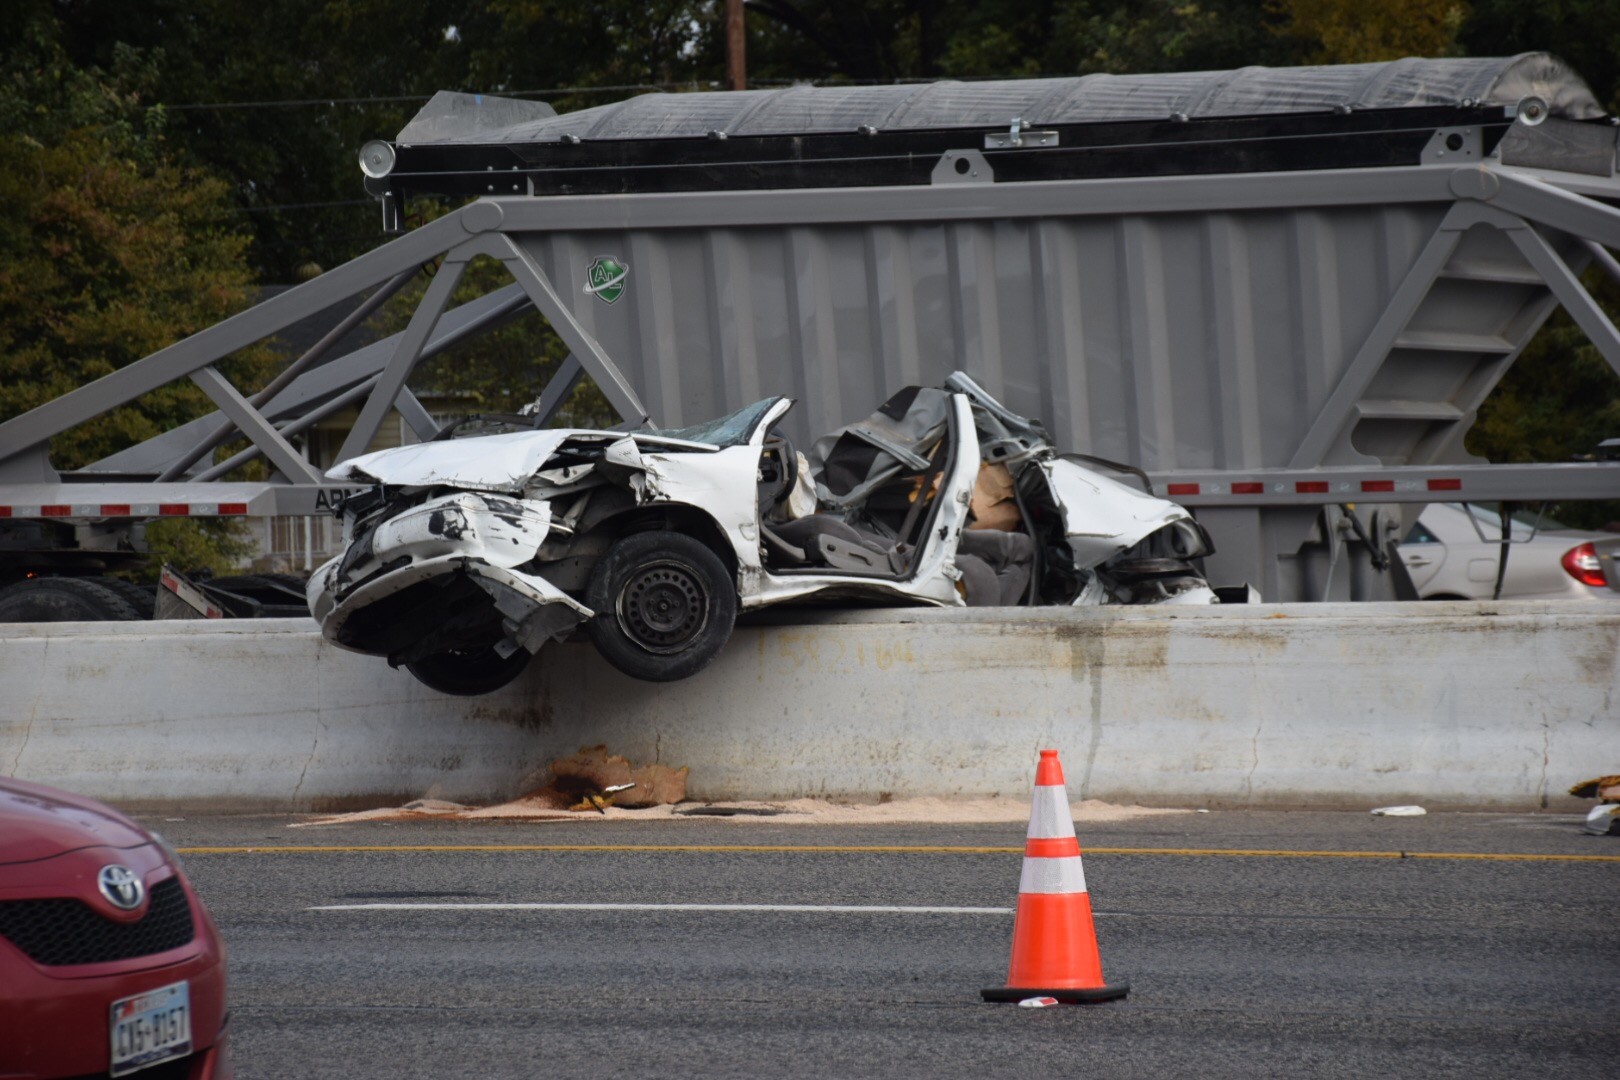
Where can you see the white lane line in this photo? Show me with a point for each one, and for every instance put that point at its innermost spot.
(858, 909)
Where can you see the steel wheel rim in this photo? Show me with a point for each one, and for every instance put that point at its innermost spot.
(663, 607)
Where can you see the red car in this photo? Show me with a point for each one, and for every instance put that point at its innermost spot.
(109, 964)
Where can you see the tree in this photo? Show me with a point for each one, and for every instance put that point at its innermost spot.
(110, 251)
(1362, 31)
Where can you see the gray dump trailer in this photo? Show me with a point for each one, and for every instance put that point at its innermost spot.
(1283, 293)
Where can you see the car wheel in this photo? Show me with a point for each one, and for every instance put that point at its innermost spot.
(60, 599)
(467, 673)
(665, 605)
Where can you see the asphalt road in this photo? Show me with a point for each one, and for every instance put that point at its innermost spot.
(1242, 965)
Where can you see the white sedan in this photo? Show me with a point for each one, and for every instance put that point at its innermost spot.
(464, 556)
(1453, 550)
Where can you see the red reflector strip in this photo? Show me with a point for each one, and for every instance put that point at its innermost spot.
(1247, 488)
(1311, 487)
(115, 509)
(1183, 489)
(1378, 485)
(1052, 849)
(1445, 485)
(173, 509)
(55, 511)
(5, 511)
(233, 508)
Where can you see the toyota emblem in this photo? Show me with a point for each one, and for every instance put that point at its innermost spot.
(121, 886)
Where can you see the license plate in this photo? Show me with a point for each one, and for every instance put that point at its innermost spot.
(151, 1027)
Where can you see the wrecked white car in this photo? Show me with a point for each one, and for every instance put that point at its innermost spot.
(465, 555)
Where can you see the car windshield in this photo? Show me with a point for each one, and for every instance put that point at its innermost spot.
(732, 430)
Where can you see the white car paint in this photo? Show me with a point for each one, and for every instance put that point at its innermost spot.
(1447, 557)
(508, 503)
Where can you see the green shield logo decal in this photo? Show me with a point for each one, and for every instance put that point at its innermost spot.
(605, 278)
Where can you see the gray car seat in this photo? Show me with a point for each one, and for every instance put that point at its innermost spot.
(995, 567)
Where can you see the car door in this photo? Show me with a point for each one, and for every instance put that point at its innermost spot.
(1424, 553)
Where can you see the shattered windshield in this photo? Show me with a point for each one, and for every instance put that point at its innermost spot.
(730, 430)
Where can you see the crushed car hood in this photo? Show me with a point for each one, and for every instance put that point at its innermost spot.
(487, 463)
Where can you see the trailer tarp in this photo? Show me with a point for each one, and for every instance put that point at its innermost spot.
(1253, 91)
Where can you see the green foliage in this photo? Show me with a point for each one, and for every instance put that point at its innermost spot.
(110, 252)
(499, 371)
(1556, 403)
(1583, 33)
(107, 176)
(1362, 31)
(215, 545)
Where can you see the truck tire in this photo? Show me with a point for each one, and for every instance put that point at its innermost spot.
(143, 598)
(63, 599)
(469, 673)
(665, 605)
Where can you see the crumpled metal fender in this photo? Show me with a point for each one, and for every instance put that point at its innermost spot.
(1103, 517)
(492, 529)
(533, 609)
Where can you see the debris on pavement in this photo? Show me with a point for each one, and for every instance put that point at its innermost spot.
(1038, 1003)
(1399, 811)
(1604, 818)
(547, 804)
(594, 771)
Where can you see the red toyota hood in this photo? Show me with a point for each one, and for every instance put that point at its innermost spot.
(38, 822)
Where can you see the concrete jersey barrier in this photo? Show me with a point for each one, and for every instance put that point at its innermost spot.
(1466, 705)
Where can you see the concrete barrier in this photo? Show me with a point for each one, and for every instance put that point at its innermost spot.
(1449, 705)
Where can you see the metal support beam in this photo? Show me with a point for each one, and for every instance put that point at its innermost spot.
(1340, 409)
(222, 339)
(292, 371)
(406, 355)
(1592, 320)
(1562, 210)
(293, 427)
(248, 420)
(1610, 265)
(558, 387)
(527, 273)
(313, 388)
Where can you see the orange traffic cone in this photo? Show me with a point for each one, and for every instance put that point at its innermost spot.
(1054, 949)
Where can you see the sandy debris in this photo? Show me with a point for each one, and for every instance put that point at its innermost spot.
(544, 806)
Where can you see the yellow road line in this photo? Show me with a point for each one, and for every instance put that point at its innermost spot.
(879, 849)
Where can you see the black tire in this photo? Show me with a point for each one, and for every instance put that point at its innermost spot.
(665, 605)
(143, 598)
(469, 673)
(61, 599)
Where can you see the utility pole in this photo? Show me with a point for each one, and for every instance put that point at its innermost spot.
(736, 47)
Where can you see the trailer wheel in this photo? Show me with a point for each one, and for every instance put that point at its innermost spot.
(468, 673)
(665, 605)
(63, 599)
(143, 598)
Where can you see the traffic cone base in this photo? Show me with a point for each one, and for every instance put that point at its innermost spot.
(1067, 995)
(1054, 950)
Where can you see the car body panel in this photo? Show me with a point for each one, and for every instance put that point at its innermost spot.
(1448, 557)
(1104, 517)
(56, 1017)
(523, 516)
(37, 822)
